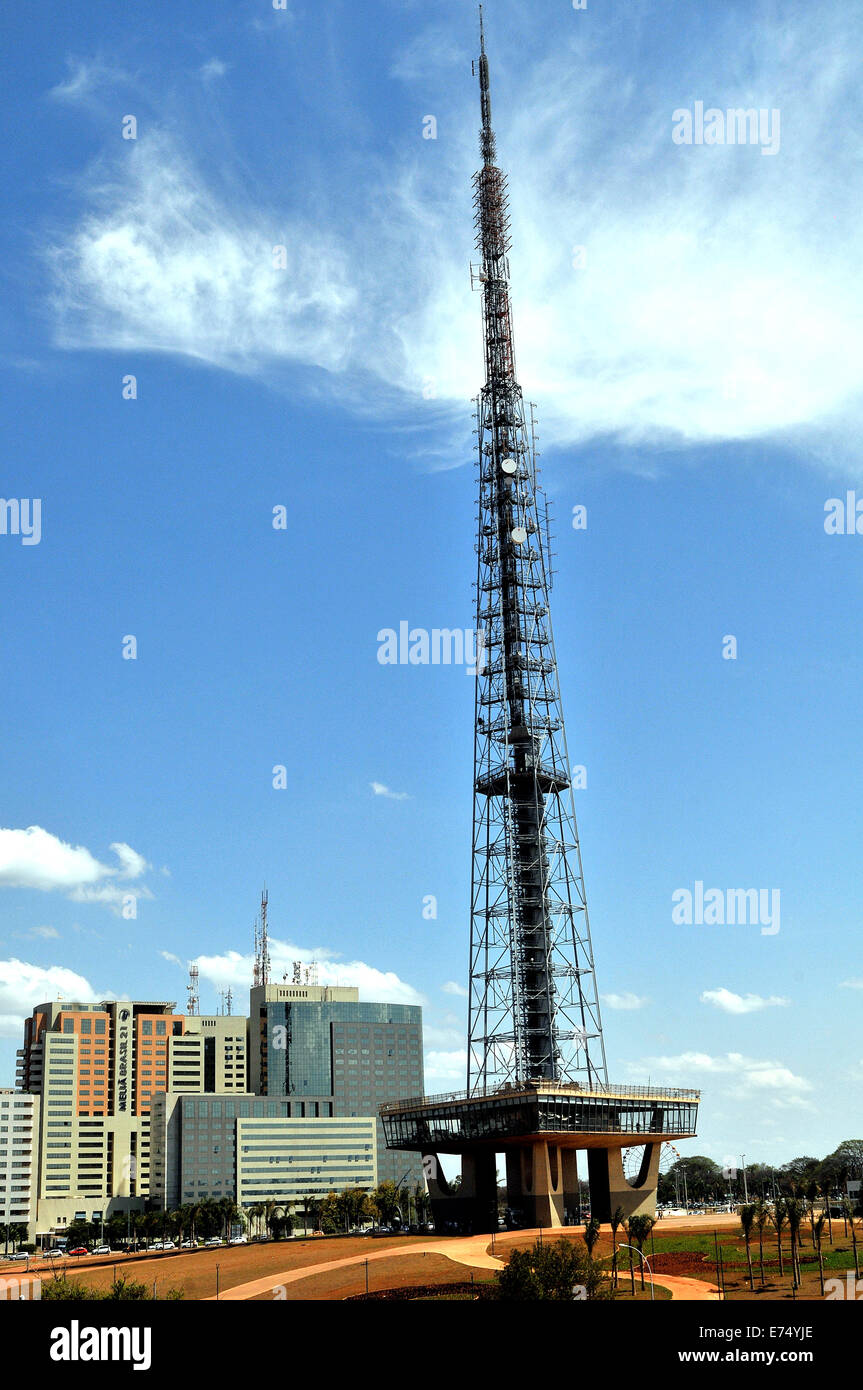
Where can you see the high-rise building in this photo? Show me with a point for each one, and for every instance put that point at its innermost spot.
(97, 1067)
(19, 1157)
(331, 1055)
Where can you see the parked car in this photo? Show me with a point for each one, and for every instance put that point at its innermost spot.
(55, 1253)
(102, 1250)
(189, 1245)
(169, 1245)
(214, 1240)
(79, 1250)
(239, 1240)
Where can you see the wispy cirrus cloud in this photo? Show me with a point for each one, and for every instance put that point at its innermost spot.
(85, 78)
(663, 294)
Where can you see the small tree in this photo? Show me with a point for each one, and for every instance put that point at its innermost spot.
(818, 1230)
(794, 1207)
(780, 1216)
(557, 1271)
(591, 1235)
(616, 1223)
(848, 1213)
(747, 1220)
(639, 1229)
(762, 1216)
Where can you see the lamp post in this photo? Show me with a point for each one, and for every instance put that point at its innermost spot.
(625, 1246)
(745, 1188)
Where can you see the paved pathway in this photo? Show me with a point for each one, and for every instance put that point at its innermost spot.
(466, 1250)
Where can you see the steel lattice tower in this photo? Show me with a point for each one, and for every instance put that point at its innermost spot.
(534, 1010)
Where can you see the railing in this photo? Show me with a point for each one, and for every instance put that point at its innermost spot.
(572, 1088)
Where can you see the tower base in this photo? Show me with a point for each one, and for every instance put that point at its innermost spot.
(539, 1127)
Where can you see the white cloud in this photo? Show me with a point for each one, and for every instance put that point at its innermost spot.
(46, 933)
(453, 987)
(741, 1003)
(214, 68)
(752, 1076)
(852, 984)
(169, 956)
(445, 1071)
(232, 968)
(717, 302)
(34, 858)
(628, 1000)
(23, 986)
(380, 790)
(160, 264)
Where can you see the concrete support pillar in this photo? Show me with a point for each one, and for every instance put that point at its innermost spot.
(610, 1189)
(535, 1176)
(472, 1207)
(569, 1158)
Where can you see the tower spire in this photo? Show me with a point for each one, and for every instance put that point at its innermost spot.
(488, 144)
(534, 1011)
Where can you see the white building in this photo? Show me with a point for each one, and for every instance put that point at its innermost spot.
(19, 1157)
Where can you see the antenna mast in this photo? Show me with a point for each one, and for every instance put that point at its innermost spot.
(265, 942)
(194, 1004)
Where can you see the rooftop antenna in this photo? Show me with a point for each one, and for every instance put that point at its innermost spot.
(256, 969)
(265, 942)
(194, 1004)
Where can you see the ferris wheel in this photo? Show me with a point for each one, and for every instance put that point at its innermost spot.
(632, 1158)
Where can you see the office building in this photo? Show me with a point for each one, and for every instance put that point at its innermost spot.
(254, 1149)
(19, 1157)
(332, 1056)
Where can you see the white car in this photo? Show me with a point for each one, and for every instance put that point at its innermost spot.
(189, 1245)
(214, 1240)
(102, 1250)
(169, 1245)
(157, 1245)
(239, 1240)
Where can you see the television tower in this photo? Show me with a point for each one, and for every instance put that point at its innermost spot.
(537, 1084)
(534, 1010)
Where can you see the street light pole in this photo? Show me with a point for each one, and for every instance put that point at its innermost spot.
(745, 1188)
(624, 1246)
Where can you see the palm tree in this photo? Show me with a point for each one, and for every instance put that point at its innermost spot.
(256, 1214)
(794, 1207)
(272, 1210)
(762, 1216)
(780, 1215)
(195, 1209)
(812, 1191)
(848, 1213)
(591, 1235)
(818, 1230)
(627, 1226)
(616, 1222)
(639, 1229)
(747, 1220)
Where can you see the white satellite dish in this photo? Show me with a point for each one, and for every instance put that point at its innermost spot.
(518, 535)
(508, 466)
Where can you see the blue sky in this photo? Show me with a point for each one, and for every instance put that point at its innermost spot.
(698, 391)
